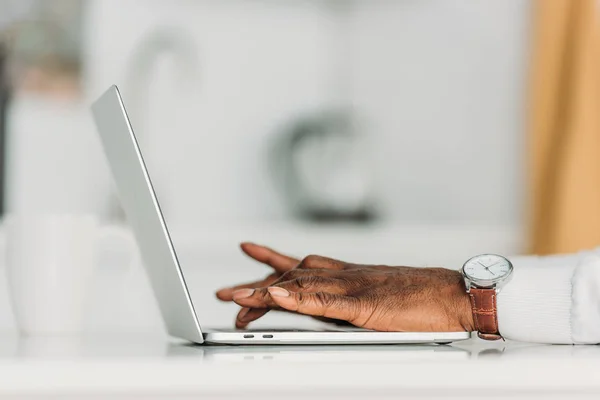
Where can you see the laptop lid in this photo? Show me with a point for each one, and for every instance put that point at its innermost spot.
(141, 206)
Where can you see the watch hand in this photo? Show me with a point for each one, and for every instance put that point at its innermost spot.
(487, 268)
(497, 262)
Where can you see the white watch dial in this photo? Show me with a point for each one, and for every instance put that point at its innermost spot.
(487, 267)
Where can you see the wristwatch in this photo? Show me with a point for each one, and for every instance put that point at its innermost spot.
(485, 275)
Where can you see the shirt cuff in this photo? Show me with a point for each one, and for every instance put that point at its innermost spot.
(552, 300)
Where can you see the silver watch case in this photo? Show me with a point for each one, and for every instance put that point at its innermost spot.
(496, 283)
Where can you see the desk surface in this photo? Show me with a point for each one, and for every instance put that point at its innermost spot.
(157, 366)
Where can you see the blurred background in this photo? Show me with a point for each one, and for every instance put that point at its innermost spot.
(405, 132)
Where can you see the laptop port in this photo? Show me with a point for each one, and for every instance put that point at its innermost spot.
(248, 336)
(267, 336)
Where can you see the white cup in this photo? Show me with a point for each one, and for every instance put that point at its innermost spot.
(50, 266)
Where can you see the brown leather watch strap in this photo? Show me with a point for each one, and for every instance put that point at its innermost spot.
(485, 315)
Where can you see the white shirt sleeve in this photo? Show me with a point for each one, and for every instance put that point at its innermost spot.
(554, 299)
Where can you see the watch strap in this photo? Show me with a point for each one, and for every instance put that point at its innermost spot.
(485, 313)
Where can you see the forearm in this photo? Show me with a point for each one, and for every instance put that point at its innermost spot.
(553, 299)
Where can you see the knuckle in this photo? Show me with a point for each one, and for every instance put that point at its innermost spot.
(305, 282)
(325, 300)
(308, 282)
(311, 261)
(289, 275)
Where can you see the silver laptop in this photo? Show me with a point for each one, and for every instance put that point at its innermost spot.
(160, 259)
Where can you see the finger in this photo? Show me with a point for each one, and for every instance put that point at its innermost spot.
(254, 298)
(314, 284)
(279, 262)
(319, 304)
(247, 315)
(226, 294)
(318, 262)
(260, 298)
(297, 273)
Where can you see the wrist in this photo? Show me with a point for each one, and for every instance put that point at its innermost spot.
(462, 307)
(465, 310)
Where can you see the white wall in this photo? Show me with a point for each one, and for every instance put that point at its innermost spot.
(254, 65)
(442, 86)
(438, 86)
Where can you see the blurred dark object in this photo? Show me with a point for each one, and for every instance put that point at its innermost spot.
(4, 100)
(41, 68)
(321, 166)
(46, 49)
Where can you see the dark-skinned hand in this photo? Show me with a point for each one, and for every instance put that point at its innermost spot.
(377, 297)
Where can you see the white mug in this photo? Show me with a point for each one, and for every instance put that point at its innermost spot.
(50, 266)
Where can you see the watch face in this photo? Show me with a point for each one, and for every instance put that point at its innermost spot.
(488, 268)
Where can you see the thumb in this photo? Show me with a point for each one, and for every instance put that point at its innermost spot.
(320, 304)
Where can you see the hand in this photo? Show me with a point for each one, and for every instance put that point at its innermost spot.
(374, 297)
(280, 264)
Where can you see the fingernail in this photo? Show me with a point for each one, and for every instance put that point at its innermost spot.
(243, 313)
(278, 292)
(242, 293)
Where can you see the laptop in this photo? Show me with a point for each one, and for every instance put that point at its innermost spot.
(143, 212)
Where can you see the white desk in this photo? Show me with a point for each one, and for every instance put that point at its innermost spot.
(146, 367)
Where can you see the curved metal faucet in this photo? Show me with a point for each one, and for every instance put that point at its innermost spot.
(162, 41)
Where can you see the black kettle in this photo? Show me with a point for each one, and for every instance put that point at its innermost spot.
(321, 164)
